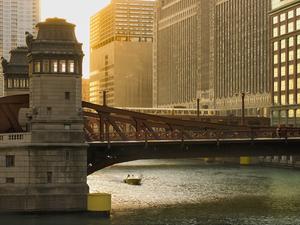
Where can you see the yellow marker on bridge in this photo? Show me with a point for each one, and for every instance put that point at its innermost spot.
(99, 203)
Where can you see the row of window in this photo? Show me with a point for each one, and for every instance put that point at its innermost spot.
(55, 66)
(283, 100)
(283, 43)
(283, 29)
(17, 83)
(283, 85)
(287, 113)
(289, 15)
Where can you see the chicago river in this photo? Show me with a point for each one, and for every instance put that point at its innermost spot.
(186, 192)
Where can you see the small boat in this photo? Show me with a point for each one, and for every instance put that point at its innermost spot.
(132, 180)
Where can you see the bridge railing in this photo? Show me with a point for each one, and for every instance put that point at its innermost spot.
(15, 138)
(251, 133)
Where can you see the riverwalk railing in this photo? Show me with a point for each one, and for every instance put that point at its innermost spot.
(15, 138)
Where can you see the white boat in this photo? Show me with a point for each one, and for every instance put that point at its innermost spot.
(133, 180)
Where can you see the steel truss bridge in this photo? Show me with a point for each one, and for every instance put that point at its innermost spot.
(117, 135)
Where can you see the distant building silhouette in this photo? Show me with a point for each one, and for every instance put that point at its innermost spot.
(121, 53)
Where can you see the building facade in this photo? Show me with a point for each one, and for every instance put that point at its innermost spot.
(121, 53)
(16, 78)
(242, 57)
(16, 17)
(285, 66)
(183, 54)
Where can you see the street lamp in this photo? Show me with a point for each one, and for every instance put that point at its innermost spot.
(103, 97)
(243, 94)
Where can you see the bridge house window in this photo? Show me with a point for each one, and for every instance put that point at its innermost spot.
(71, 66)
(54, 66)
(10, 161)
(67, 95)
(49, 177)
(46, 66)
(62, 66)
(37, 66)
(10, 180)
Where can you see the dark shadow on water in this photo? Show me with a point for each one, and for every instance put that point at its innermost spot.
(242, 210)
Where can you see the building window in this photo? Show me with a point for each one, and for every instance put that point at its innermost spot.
(10, 161)
(282, 29)
(298, 68)
(275, 72)
(298, 82)
(291, 99)
(275, 86)
(291, 42)
(283, 57)
(283, 85)
(282, 17)
(290, 14)
(49, 110)
(291, 55)
(291, 113)
(276, 100)
(71, 66)
(298, 113)
(10, 180)
(46, 66)
(275, 46)
(282, 44)
(298, 12)
(291, 84)
(291, 69)
(283, 100)
(67, 126)
(275, 31)
(67, 95)
(37, 67)
(62, 66)
(67, 155)
(54, 66)
(275, 59)
(298, 24)
(275, 19)
(49, 177)
(291, 27)
(283, 71)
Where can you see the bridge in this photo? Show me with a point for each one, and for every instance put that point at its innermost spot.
(117, 135)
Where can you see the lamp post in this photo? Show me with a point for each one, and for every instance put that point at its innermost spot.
(198, 108)
(104, 98)
(243, 108)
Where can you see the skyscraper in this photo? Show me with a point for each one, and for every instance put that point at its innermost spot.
(182, 53)
(285, 66)
(121, 53)
(16, 17)
(242, 57)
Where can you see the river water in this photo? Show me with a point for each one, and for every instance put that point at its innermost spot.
(186, 192)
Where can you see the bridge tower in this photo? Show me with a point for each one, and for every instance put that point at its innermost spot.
(49, 173)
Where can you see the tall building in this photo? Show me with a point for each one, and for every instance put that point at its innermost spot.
(86, 90)
(285, 66)
(183, 53)
(121, 37)
(242, 57)
(16, 17)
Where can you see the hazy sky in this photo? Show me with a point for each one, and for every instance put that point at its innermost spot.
(77, 12)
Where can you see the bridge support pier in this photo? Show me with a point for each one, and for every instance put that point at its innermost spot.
(43, 178)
